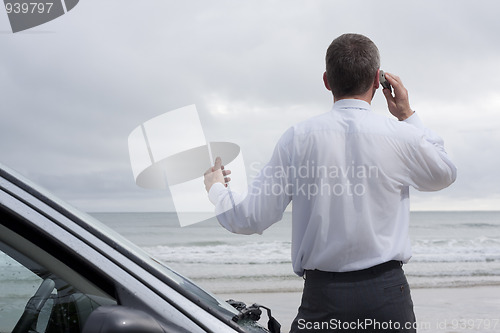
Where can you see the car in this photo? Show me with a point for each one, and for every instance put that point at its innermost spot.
(63, 271)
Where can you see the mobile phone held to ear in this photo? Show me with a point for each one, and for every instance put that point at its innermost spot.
(384, 82)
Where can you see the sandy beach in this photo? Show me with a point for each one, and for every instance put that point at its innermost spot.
(439, 310)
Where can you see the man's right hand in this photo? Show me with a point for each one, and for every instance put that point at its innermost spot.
(399, 104)
(216, 174)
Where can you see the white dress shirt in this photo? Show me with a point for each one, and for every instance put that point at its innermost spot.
(348, 174)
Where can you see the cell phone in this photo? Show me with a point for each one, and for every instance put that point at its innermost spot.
(384, 82)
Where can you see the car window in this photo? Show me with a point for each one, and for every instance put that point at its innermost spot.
(38, 293)
(17, 285)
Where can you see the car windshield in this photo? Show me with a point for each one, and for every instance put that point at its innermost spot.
(126, 247)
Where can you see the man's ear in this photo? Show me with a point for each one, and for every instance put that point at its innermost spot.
(325, 81)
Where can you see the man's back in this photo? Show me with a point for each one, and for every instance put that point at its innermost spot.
(350, 170)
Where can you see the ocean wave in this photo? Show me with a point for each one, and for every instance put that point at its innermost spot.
(480, 249)
(455, 257)
(246, 253)
(479, 225)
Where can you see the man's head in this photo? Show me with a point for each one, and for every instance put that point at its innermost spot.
(352, 62)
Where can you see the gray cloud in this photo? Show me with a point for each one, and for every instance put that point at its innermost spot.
(74, 88)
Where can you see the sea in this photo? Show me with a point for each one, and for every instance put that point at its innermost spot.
(450, 249)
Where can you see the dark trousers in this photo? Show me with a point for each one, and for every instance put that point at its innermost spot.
(376, 299)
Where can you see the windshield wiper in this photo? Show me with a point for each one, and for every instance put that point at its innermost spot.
(253, 313)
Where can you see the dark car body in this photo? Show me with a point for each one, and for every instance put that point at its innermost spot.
(63, 271)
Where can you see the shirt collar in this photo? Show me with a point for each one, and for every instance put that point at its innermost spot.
(350, 103)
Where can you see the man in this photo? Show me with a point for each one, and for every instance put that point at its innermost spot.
(348, 174)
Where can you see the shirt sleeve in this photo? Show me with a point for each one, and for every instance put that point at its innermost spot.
(430, 168)
(265, 200)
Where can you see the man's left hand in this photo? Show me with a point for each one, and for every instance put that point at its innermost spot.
(399, 104)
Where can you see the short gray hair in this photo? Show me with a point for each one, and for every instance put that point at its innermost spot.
(352, 61)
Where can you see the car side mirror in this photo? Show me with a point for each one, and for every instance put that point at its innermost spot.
(120, 319)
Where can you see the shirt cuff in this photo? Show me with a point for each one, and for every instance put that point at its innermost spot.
(215, 191)
(415, 120)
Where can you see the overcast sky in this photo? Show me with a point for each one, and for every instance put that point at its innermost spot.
(72, 90)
